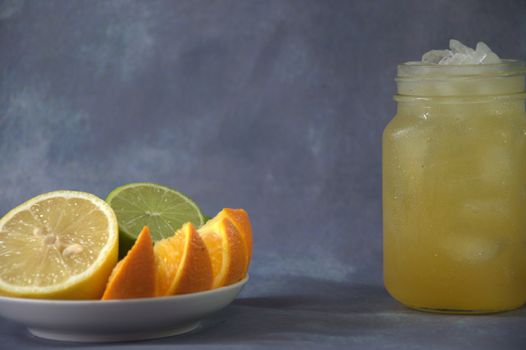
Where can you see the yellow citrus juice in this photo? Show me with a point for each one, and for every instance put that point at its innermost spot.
(454, 198)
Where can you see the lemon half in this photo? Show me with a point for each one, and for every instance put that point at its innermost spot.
(59, 245)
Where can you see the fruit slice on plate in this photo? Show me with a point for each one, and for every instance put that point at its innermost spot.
(134, 276)
(182, 263)
(227, 250)
(59, 245)
(162, 209)
(241, 221)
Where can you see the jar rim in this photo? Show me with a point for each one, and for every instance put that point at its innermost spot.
(419, 70)
(459, 99)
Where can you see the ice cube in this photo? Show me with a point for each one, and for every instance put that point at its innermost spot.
(459, 54)
(457, 59)
(457, 47)
(471, 248)
(485, 54)
(435, 56)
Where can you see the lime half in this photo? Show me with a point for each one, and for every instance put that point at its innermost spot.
(162, 209)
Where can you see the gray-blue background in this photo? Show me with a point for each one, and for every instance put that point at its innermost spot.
(273, 106)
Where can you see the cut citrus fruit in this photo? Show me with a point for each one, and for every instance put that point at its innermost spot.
(240, 219)
(183, 264)
(134, 276)
(162, 209)
(59, 245)
(227, 250)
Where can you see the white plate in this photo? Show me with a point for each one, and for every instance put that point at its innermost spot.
(117, 320)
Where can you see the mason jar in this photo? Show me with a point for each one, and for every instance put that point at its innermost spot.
(454, 188)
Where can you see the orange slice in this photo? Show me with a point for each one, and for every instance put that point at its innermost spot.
(134, 276)
(240, 219)
(227, 250)
(182, 263)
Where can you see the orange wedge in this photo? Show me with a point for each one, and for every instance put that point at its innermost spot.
(134, 276)
(227, 250)
(239, 218)
(182, 263)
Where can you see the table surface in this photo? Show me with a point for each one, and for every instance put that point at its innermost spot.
(296, 312)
